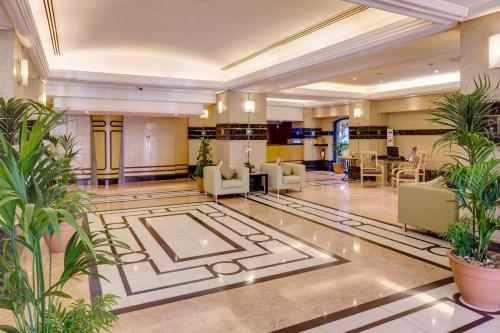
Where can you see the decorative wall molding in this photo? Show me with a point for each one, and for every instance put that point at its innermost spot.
(136, 80)
(367, 132)
(21, 17)
(420, 131)
(195, 133)
(438, 11)
(236, 131)
(399, 32)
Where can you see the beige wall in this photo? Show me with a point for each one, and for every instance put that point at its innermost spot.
(233, 108)
(474, 51)
(11, 52)
(165, 152)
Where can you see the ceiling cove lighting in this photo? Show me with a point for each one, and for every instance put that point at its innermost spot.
(249, 106)
(494, 51)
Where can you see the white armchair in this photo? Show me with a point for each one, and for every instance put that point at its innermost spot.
(279, 182)
(216, 185)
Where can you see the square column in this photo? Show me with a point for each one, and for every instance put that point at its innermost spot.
(241, 134)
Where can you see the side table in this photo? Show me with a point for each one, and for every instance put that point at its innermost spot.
(256, 181)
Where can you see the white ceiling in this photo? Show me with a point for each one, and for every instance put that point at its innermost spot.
(191, 39)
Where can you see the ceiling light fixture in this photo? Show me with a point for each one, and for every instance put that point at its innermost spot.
(220, 107)
(381, 81)
(354, 78)
(436, 71)
(357, 113)
(24, 72)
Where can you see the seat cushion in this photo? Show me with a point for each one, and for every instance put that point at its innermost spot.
(231, 183)
(372, 171)
(406, 176)
(291, 180)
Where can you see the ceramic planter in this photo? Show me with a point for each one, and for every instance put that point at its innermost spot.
(59, 244)
(479, 286)
(338, 168)
(199, 183)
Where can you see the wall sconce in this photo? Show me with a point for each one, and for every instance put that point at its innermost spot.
(494, 51)
(249, 106)
(23, 72)
(357, 113)
(204, 115)
(220, 107)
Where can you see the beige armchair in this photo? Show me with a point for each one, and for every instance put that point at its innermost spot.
(279, 182)
(216, 185)
(430, 206)
(369, 167)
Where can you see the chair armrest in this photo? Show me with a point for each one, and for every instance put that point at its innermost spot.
(212, 179)
(299, 170)
(243, 174)
(275, 174)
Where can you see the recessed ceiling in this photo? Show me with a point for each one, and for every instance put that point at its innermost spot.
(192, 38)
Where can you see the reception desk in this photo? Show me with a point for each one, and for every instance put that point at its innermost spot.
(288, 153)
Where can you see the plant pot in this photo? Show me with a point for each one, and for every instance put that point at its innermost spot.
(199, 183)
(338, 168)
(479, 286)
(59, 244)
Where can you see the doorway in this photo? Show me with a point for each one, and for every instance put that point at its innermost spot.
(340, 138)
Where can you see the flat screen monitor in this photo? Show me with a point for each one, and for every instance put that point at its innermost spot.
(393, 153)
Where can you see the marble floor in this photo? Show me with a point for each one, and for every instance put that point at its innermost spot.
(328, 259)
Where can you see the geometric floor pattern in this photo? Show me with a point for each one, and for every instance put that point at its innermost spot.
(423, 247)
(181, 251)
(435, 308)
(186, 250)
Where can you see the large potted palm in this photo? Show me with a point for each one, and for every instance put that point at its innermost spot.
(34, 200)
(474, 177)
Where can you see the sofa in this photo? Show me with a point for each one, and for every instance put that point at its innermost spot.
(278, 181)
(216, 185)
(429, 206)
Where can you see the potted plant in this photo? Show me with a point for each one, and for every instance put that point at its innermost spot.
(340, 150)
(204, 159)
(474, 177)
(63, 149)
(33, 200)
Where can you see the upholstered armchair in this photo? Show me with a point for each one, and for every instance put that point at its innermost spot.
(369, 167)
(430, 206)
(409, 173)
(279, 182)
(216, 185)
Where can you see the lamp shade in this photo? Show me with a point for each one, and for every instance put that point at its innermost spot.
(494, 51)
(357, 113)
(249, 106)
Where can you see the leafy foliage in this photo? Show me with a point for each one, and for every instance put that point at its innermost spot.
(475, 173)
(340, 149)
(204, 158)
(35, 198)
(12, 113)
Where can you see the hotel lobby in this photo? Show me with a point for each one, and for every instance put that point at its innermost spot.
(250, 166)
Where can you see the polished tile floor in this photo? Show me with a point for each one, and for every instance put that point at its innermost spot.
(327, 259)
